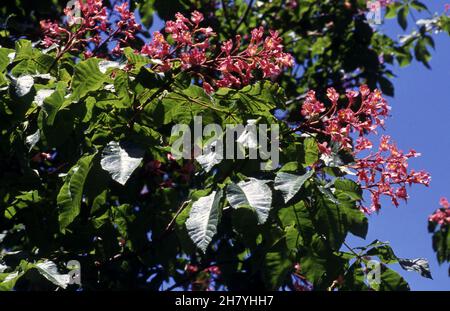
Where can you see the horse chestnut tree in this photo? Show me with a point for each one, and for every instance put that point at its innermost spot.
(88, 175)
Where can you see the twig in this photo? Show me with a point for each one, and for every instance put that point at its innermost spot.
(180, 209)
(244, 17)
(352, 250)
(225, 12)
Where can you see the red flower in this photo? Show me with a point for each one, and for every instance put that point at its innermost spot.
(332, 95)
(312, 106)
(384, 172)
(444, 202)
(196, 17)
(442, 215)
(208, 88)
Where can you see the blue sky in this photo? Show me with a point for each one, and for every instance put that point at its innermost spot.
(420, 112)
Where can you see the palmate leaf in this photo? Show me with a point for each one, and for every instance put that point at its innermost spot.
(254, 193)
(390, 281)
(71, 193)
(259, 99)
(349, 188)
(336, 220)
(290, 184)
(203, 219)
(120, 160)
(87, 77)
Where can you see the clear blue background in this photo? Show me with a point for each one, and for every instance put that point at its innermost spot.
(420, 120)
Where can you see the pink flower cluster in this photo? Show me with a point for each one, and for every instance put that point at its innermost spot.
(191, 43)
(383, 173)
(85, 23)
(442, 215)
(126, 28)
(192, 49)
(231, 67)
(339, 122)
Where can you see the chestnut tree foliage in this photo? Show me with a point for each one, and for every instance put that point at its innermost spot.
(87, 104)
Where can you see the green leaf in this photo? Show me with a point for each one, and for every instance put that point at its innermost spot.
(253, 193)
(290, 184)
(4, 58)
(203, 219)
(336, 220)
(146, 10)
(120, 160)
(294, 238)
(354, 278)
(87, 78)
(419, 6)
(53, 103)
(276, 268)
(441, 245)
(311, 151)
(138, 60)
(386, 86)
(392, 281)
(331, 222)
(402, 17)
(10, 279)
(403, 58)
(71, 193)
(391, 12)
(296, 214)
(24, 200)
(24, 50)
(313, 268)
(384, 252)
(349, 188)
(357, 222)
(258, 99)
(181, 107)
(421, 52)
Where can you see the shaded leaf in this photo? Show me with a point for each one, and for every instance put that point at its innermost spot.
(71, 193)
